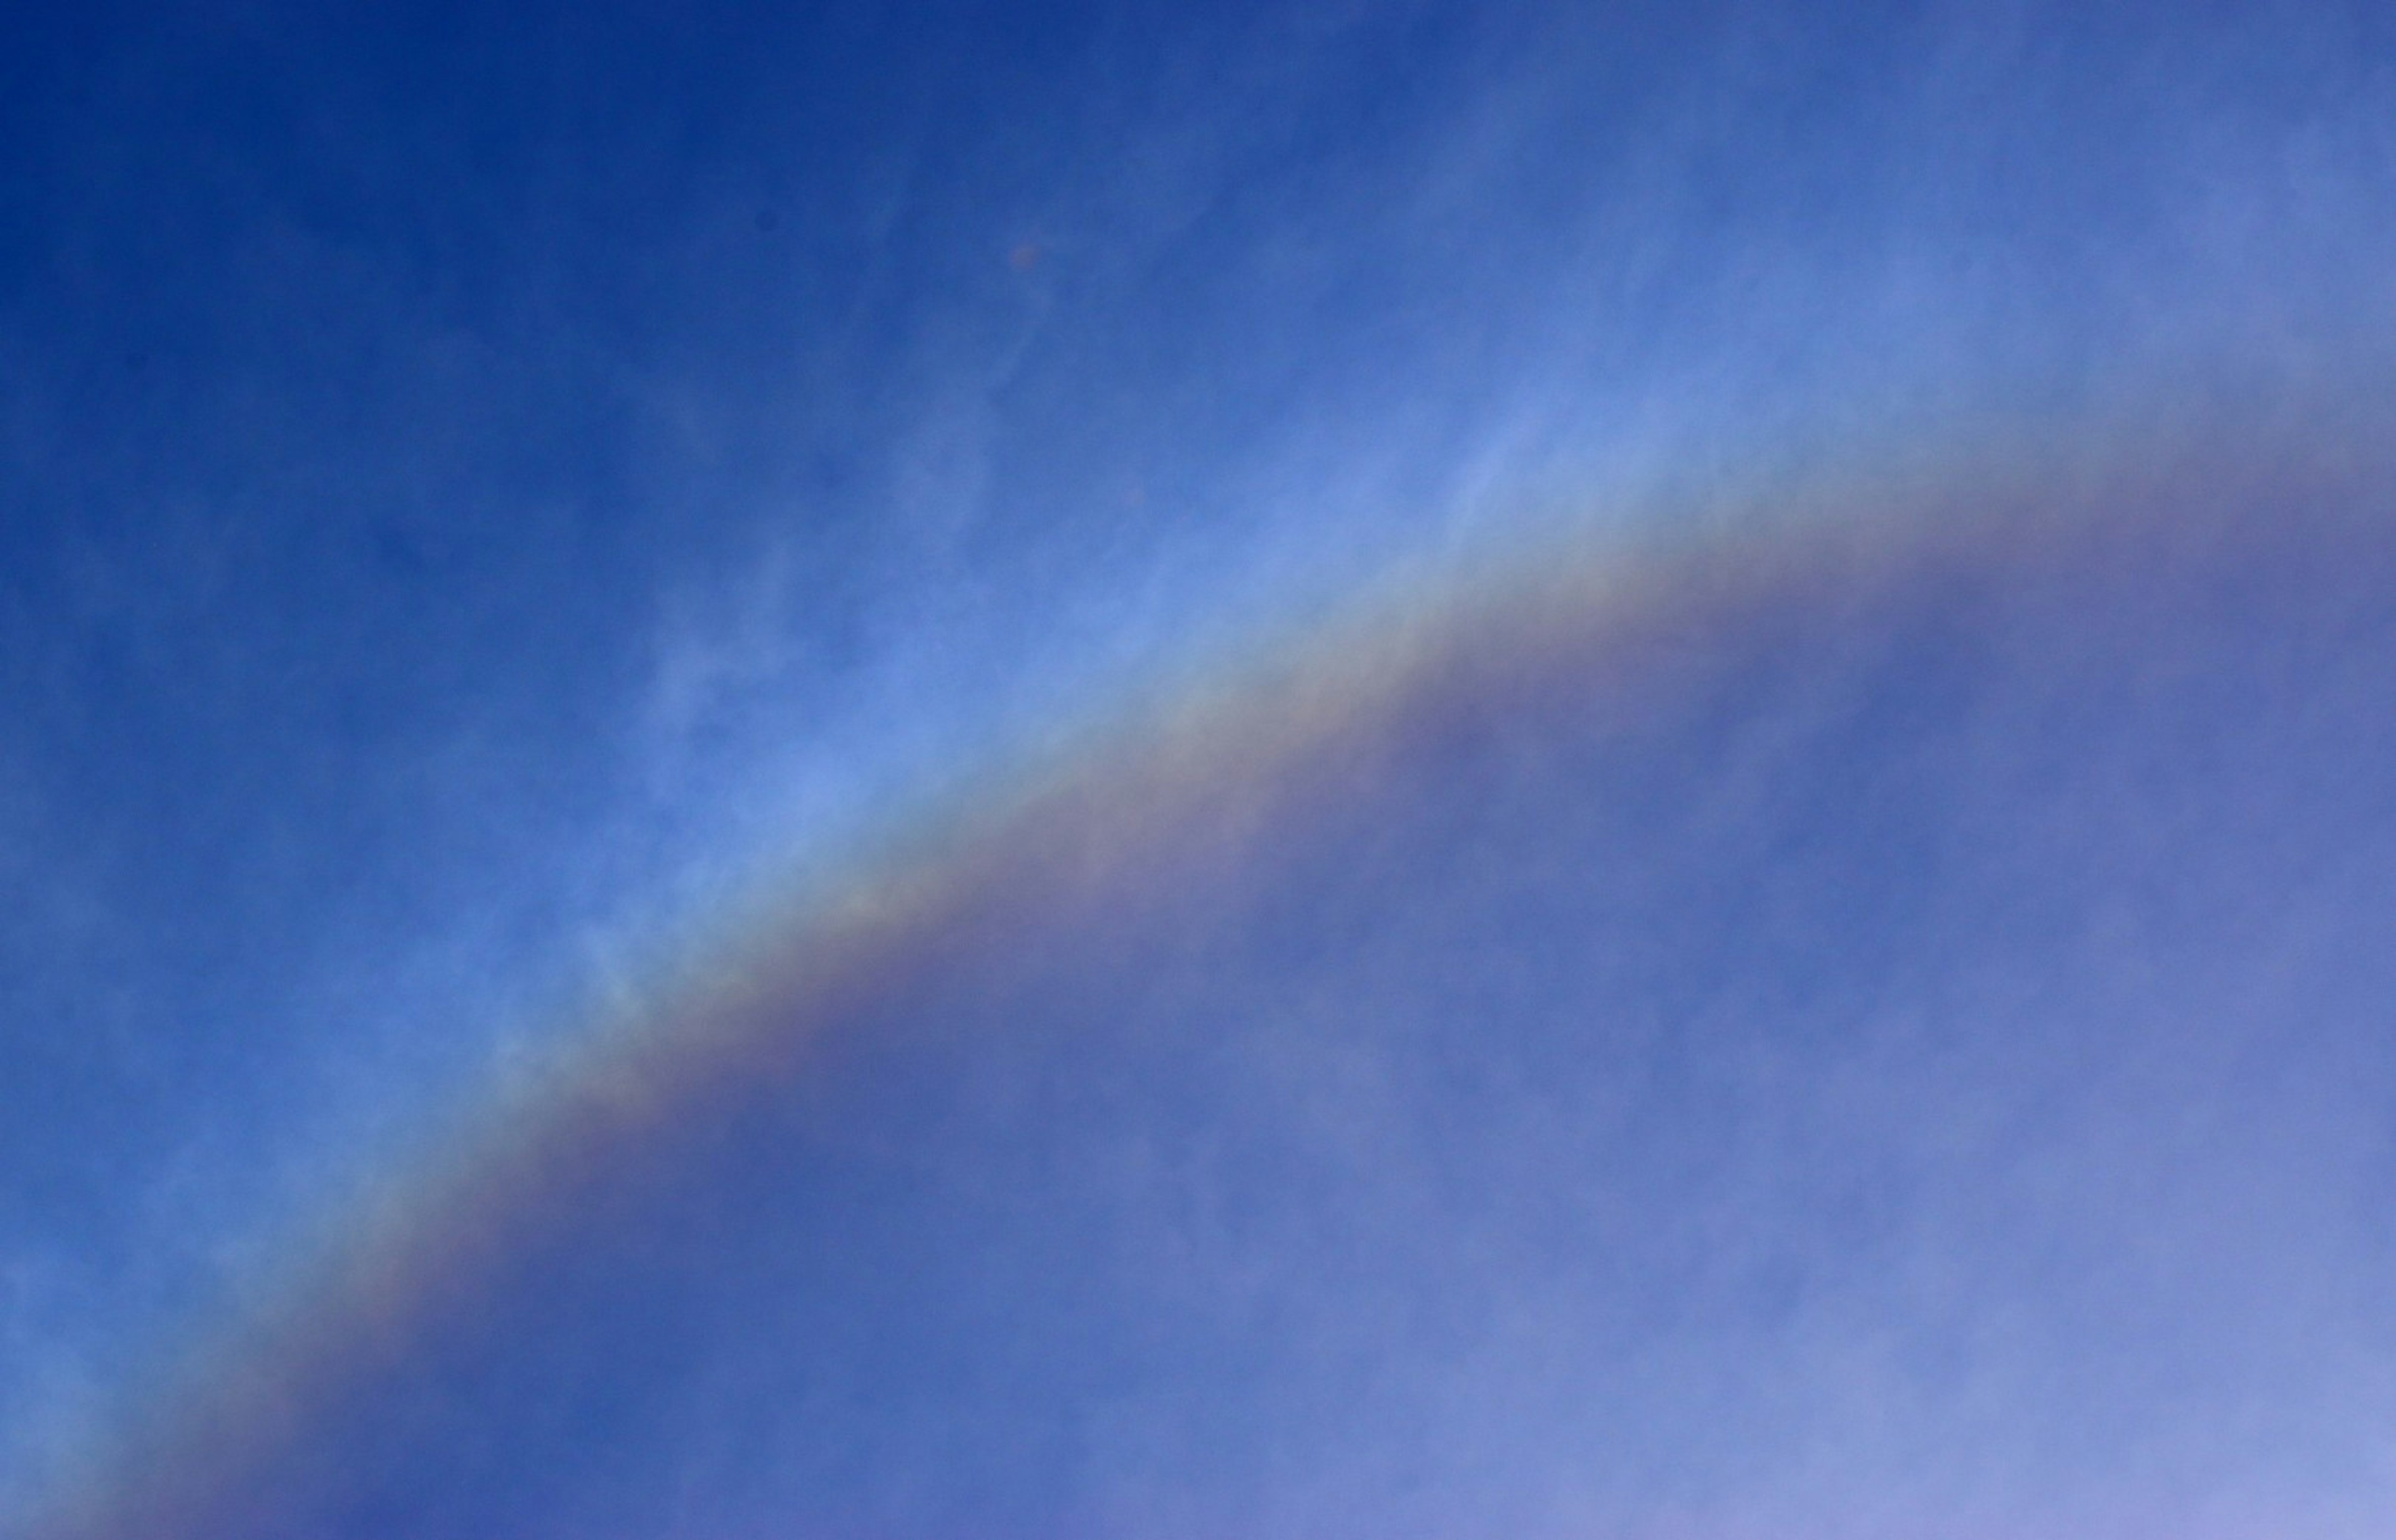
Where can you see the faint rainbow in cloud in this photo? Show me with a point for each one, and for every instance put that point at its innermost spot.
(1201, 783)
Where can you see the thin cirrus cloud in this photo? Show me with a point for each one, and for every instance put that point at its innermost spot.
(1859, 1035)
(1370, 769)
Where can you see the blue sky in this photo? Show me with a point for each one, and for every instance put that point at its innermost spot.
(508, 519)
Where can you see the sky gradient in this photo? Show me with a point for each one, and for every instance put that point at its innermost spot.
(1123, 770)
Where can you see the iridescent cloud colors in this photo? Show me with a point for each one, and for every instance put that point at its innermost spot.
(1871, 1022)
